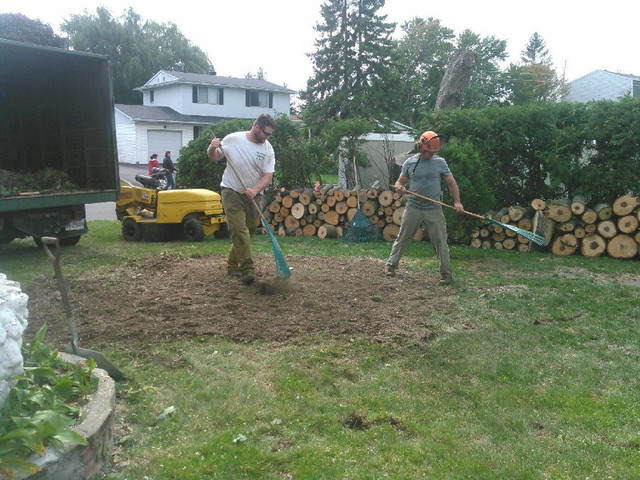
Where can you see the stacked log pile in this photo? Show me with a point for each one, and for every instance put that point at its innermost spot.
(572, 226)
(327, 211)
(495, 236)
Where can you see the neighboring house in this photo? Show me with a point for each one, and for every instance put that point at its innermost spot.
(177, 106)
(603, 85)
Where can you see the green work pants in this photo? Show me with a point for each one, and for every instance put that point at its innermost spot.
(436, 226)
(242, 220)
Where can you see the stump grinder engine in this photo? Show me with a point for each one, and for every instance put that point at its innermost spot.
(155, 214)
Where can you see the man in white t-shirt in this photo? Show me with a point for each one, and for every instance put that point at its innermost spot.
(254, 161)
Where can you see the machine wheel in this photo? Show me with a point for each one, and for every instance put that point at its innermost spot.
(69, 241)
(131, 230)
(222, 232)
(192, 229)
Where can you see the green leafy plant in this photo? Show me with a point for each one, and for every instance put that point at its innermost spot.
(40, 407)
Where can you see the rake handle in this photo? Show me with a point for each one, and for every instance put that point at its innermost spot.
(443, 204)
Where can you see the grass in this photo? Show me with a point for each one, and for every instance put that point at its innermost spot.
(533, 374)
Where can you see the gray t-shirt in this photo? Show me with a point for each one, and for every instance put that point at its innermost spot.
(425, 179)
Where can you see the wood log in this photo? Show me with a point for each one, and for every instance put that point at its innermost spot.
(568, 226)
(330, 201)
(274, 207)
(318, 223)
(516, 213)
(419, 235)
(278, 217)
(578, 204)
(338, 194)
(369, 207)
(475, 233)
(509, 233)
(306, 196)
(287, 201)
(604, 211)
(390, 232)
(607, 228)
(591, 228)
(566, 244)
(341, 208)
(559, 210)
(284, 211)
(352, 201)
(372, 193)
(476, 242)
(523, 240)
(385, 198)
(332, 217)
(291, 223)
(538, 204)
(499, 237)
(509, 244)
(325, 189)
(628, 224)
(525, 223)
(282, 231)
(312, 208)
(397, 215)
(589, 216)
(295, 193)
(351, 213)
(580, 232)
(502, 215)
(637, 237)
(484, 232)
(498, 246)
(328, 231)
(325, 207)
(309, 230)
(486, 244)
(625, 204)
(523, 248)
(593, 245)
(298, 210)
(622, 246)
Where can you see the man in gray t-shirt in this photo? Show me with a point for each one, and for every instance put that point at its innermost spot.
(425, 171)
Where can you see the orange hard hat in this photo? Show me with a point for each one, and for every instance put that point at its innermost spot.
(429, 142)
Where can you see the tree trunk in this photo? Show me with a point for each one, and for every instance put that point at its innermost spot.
(625, 204)
(593, 246)
(622, 246)
(455, 80)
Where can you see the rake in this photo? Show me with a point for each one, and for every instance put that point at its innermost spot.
(534, 237)
(282, 269)
(360, 227)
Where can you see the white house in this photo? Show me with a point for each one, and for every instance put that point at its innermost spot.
(603, 85)
(177, 105)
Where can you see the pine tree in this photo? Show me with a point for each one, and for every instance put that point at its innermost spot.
(351, 64)
(536, 52)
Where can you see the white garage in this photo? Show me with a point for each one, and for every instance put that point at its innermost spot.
(159, 141)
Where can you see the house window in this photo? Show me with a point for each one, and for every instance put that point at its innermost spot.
(151, 96)
(210, 95)
(255, 98)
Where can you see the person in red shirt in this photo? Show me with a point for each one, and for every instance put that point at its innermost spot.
(153, 162)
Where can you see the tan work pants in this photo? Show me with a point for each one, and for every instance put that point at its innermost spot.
(433, 220)
(242, 220)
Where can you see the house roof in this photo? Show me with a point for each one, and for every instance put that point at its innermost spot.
(143, 113)
(601, 84)
(217, 80)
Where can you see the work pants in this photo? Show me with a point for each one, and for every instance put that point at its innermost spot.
(242, 220)
(436, 226)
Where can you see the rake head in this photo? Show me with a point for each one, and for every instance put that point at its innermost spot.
(534, 237)
(283, 270)
(360, 230)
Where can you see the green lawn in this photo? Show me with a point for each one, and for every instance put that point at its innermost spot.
(534, 373)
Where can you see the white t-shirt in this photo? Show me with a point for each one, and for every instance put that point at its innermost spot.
(249, 159)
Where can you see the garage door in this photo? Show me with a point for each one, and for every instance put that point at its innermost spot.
(159, 141)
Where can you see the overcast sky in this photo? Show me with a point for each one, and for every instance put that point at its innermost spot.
(243, 35)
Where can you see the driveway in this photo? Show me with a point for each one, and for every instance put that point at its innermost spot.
(107, 210)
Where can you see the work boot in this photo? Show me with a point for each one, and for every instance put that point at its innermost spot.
(389, 270)
(233, 273)
(444, 281)
(248, 278)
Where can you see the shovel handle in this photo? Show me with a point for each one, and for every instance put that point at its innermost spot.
(442, 204)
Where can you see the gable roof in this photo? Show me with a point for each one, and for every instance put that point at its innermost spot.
(214, 80)
(143, 113)
(601, 84)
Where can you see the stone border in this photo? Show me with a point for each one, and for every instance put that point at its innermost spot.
(83, 462)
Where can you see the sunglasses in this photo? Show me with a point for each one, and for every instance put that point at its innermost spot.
(265, 133)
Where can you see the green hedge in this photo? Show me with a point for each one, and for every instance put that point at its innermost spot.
(549, 150)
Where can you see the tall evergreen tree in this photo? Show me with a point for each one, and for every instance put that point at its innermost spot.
(536, 52)
(351, 71)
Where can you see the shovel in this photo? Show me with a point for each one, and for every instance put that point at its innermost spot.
(100, 360)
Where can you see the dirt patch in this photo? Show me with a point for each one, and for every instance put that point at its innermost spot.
(165, 298)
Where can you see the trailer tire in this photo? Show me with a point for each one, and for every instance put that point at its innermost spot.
(69, 241)
(192, 230)
(131, 230)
